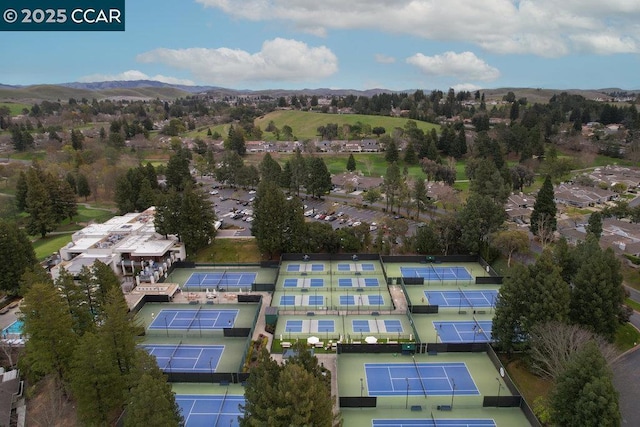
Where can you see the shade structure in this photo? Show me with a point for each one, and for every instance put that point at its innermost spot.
(313, 340)
(371, 340)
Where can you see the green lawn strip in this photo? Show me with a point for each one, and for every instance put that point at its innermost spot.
(224, 251)
(15, 108)
(50, 244)
(305, 124)
(530, 385)
(633, 304)
(627, 337)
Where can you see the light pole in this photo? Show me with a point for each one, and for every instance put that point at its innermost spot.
(406, 402)
(499, 388)
(361, 387)
(211, 368)
(453, 390)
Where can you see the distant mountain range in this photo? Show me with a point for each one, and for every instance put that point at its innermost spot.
(150, 89)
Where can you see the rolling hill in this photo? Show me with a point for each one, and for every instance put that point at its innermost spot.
(305, 124)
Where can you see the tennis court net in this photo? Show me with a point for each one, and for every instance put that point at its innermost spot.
(224, 398)
(424, 390)
(196, 316)
(173, 353)
(480, 330)
(462, 294)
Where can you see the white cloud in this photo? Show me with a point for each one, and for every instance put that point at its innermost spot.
(135, 75)
(465, 65)
(542, 27)
(469, 87)
(384, 59)
(278, 60)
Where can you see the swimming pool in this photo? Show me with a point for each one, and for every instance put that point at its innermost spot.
(14, 329)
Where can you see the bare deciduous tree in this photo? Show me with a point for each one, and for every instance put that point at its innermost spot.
(554, 343)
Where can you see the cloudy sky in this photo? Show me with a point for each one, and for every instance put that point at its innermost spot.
(359, 44)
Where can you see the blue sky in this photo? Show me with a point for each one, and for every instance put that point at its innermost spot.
(358, 44)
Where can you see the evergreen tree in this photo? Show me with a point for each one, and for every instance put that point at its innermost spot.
(298, 167)
(509, 324)
(17, 256)
(270, 170)
(77, 138)
(21, 191)
(584, 394)
(391, 151)
(97, 385)
(177, 172)
(548, 293)
(82, 185)
(479, 217)
(297, 393)
(351, 163)
(235, 140)
(230, 167)
(318, 182)
(544, 209)
(420, 196)
(595, 225)
(410, 156)
(196, 220)
(79, 300)
(459, 145)
(42, 219)
(152, 403)
(49, 326)
(598, 296)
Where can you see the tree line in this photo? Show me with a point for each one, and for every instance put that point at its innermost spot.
(82, 339)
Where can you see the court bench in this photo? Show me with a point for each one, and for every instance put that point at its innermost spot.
(285, 344)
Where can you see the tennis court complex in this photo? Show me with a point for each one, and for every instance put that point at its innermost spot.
(436, 273)
(185, 357)
(464, 331)
(428, 379)
(462, 298)
(433, 422)
(220, 280)
(194, 319)
(210, 410)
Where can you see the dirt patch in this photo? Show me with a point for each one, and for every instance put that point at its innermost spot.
(49, 406)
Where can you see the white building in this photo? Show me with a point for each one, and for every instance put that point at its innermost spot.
(129, 244)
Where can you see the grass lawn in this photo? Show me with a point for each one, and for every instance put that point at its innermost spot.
(230, 251)
(631, 276)
(627, 337)
(531, 386)
(28, 155)
(633, 304)
(305, 124)
(50, 244)
(15, 108)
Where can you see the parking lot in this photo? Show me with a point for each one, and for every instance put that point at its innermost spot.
(235, 208)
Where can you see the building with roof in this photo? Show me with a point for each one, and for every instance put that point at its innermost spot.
(126, 243)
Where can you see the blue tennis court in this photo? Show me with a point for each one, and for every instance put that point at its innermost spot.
(361, 300)
(367, 282)
(293, 326)
(309, 326)
(186, 358)
(431, 379)
(356, 267)
(377, 325)
(194, 319)
(224, 279)
(430, 422)
(301, 300)
(210, 410)
(461, 298)
(303, 283)
(436, 273)
(326, 326)
(464, 331)
(317, 268)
